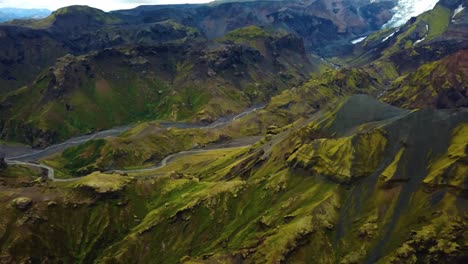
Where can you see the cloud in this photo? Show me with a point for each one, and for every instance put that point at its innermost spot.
(106, 5)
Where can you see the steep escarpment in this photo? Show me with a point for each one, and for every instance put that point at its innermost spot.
(25, 52)
(441, 84)
(198, 82)
(422, 63)
(371, 131)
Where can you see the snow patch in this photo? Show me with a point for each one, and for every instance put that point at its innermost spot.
(419, 41)
(424, 38)
(389, 36)
(358, 40)
(458, 10)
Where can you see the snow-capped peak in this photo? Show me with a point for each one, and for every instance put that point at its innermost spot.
(406, 9)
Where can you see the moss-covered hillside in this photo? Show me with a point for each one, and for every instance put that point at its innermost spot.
(148, 143)
(432, 36)
(198, 82)
(440, 84)
(393, 180)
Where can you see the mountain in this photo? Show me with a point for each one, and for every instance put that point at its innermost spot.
(33, 45)
(391, 178)
(318, 22)
(7, 14)
(83, 31)
(221, 133)
(441, 84)
(180, 81)
(326, 29)
(422, 59)
(70, 87)
(442, 28)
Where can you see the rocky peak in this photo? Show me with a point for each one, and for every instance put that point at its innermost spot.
(75, 18)
(231, 57)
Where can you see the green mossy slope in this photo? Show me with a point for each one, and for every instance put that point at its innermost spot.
(147, 143)
(377, 181)
(439, 84)
(167, 82)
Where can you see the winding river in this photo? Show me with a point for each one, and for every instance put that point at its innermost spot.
(27, 156)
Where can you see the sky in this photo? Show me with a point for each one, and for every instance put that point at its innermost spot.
(105, 5)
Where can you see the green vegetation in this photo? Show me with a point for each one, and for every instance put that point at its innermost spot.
(246, 33)
(101, 183)
(82, 94)
(251, 35)
(254, 36)
(342, 159)
(20, 172)
(438, 84)
(438, 20)
(451, 169)
(323, 165)
(258, 204)
(144, 145)
(92, 15)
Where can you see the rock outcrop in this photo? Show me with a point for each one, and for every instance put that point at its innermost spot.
(22, 203)
(3, 164)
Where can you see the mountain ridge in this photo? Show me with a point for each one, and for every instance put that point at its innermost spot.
(369, 144)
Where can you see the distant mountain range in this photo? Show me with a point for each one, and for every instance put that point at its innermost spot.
(7, 14)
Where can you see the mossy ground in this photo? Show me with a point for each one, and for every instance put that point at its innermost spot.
(147, 143)
(252, 204)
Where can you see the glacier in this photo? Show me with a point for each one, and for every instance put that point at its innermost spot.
(406, 9)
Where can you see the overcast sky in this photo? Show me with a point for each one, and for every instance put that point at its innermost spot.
(106, 5)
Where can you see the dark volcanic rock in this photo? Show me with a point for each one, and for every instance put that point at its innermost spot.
(231, 57)
(3, 164)
(76, 84)
(319, 22)
(29, 46)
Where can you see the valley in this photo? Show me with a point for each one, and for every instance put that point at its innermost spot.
(236, 132)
